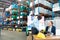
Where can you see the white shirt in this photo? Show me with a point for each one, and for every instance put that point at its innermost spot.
(49, 30)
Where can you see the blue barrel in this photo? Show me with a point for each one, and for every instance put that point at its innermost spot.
(7, 14)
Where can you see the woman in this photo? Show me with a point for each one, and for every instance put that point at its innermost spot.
(50, 28)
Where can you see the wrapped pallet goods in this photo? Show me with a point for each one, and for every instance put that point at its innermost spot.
(14, 11)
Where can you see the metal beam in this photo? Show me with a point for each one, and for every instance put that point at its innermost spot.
(52, 13)
(59, 2)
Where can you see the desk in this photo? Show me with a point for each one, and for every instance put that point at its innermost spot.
(49, 38)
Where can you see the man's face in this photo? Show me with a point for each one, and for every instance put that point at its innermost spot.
(36, 17)
(49, 24)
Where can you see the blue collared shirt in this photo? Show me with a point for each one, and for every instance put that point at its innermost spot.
(36, 23)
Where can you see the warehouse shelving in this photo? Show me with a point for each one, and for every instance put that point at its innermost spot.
(38, 6)
(30, 8)
(21, 17)
(52, 1)
(44, 2)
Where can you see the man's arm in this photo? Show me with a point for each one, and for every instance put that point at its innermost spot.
(46, 29)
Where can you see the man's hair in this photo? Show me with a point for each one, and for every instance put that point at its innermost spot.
(39, 17)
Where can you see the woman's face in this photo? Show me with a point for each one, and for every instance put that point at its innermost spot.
(49, 24)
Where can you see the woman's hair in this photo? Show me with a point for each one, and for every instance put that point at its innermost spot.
(51, 22)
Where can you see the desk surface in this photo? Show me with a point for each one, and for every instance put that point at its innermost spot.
(49, 38)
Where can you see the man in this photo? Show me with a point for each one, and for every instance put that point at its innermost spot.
(50, 28)
(35, 23)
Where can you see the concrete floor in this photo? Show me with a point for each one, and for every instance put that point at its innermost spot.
(8, 35)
